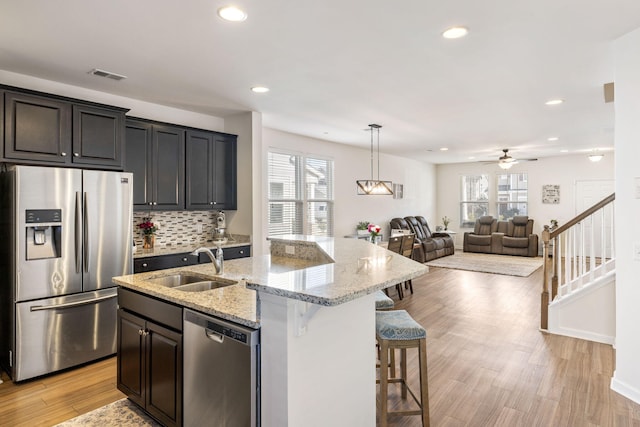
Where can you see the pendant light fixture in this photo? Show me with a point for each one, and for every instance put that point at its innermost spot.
(374, 187)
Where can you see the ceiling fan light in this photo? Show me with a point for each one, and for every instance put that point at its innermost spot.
(595, 157)
(506, 165)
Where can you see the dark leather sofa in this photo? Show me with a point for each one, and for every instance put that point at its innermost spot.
(432, 245)
(512, 237)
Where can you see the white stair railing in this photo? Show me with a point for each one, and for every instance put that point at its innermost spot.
(582, 252)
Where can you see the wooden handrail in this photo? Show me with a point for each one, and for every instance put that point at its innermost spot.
(602, 203)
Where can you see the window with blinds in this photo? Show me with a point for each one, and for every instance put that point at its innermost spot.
(513, 193)
(300, 195)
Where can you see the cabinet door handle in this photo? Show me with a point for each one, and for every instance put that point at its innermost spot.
(76, 155)
(63, 154)
(155, 203)
(141, 332)
(144, 264)
(150, 203)
(184, 259)
(210, 203)
(241, 252)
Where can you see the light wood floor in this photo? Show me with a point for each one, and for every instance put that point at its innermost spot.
(488, 365)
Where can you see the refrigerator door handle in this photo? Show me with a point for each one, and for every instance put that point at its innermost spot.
(71, 304)
(78, 232)
(86, 235)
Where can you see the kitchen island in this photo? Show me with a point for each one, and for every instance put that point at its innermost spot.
(312, 299)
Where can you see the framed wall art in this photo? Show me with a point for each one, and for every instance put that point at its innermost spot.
(398, 191)
(551, 194)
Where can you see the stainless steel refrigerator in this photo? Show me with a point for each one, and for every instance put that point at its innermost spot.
(65, 234)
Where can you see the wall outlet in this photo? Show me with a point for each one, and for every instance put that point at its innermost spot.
(291, 250)
(198, 228)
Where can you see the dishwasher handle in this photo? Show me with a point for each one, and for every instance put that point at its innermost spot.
(214, 336)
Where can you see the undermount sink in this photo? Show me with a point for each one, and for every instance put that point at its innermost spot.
(205, 286)
(190, 282)
(176, 280)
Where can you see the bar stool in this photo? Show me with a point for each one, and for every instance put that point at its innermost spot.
(383, 302)
(397, 329)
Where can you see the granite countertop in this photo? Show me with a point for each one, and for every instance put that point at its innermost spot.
(233, 241)
(345, 269)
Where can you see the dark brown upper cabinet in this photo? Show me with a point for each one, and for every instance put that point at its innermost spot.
(42, 129)
(211, 170)
(155, 156)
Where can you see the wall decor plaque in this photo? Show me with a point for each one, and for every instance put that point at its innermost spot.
(551, 194)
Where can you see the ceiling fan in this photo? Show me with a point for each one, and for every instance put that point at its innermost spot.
(506, 161)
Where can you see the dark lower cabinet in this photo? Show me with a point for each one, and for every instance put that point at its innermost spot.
(150, 355)
(141, 265)
(161, 262)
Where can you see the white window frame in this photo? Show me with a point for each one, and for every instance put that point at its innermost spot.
(466, 201)
(301, 199)
(507, 195)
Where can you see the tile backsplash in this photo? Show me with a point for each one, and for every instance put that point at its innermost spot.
(176, 228)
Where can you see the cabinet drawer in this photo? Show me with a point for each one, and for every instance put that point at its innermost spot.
(141, 265)
(229, 253)
(150, 308)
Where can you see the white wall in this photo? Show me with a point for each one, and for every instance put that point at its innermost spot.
(626, 379)
(351, 164)
(562, 170)
(241, 220)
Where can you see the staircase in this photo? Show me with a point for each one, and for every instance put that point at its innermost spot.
(578, 291)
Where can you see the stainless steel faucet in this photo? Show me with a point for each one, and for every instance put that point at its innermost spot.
(217, 260)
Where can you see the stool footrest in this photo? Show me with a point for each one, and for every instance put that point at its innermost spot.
(404, 383)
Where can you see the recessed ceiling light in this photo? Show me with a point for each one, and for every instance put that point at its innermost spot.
(455, 32)
(554, 102)
(260, 89)
(444, 149)
(553, 138)
(232, 13)
(564, 151)
(471, 157)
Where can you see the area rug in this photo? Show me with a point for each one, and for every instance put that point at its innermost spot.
(116, 414)
(485, 263)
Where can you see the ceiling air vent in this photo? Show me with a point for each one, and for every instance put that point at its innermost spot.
(107, 74)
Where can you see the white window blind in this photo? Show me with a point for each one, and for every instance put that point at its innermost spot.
(300, 195)
(474, 198)
(513, 194)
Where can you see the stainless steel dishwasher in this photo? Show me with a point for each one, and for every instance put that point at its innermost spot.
(221, 372)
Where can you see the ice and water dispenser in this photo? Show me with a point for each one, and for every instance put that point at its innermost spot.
(44, 233)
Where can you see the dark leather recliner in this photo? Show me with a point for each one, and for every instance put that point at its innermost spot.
(432, 245)
(516, 237)
(481, 239)
(512, 237)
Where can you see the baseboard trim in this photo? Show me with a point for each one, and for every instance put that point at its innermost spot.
(625, 390)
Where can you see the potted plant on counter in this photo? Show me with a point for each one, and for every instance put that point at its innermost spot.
(148, 232)
(362, 228)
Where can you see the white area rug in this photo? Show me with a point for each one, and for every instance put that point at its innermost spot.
(497, 264)
(116, 414)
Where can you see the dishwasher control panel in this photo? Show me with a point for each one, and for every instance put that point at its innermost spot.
(229, 332)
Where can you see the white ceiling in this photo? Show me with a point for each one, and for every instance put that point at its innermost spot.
(335, 66)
